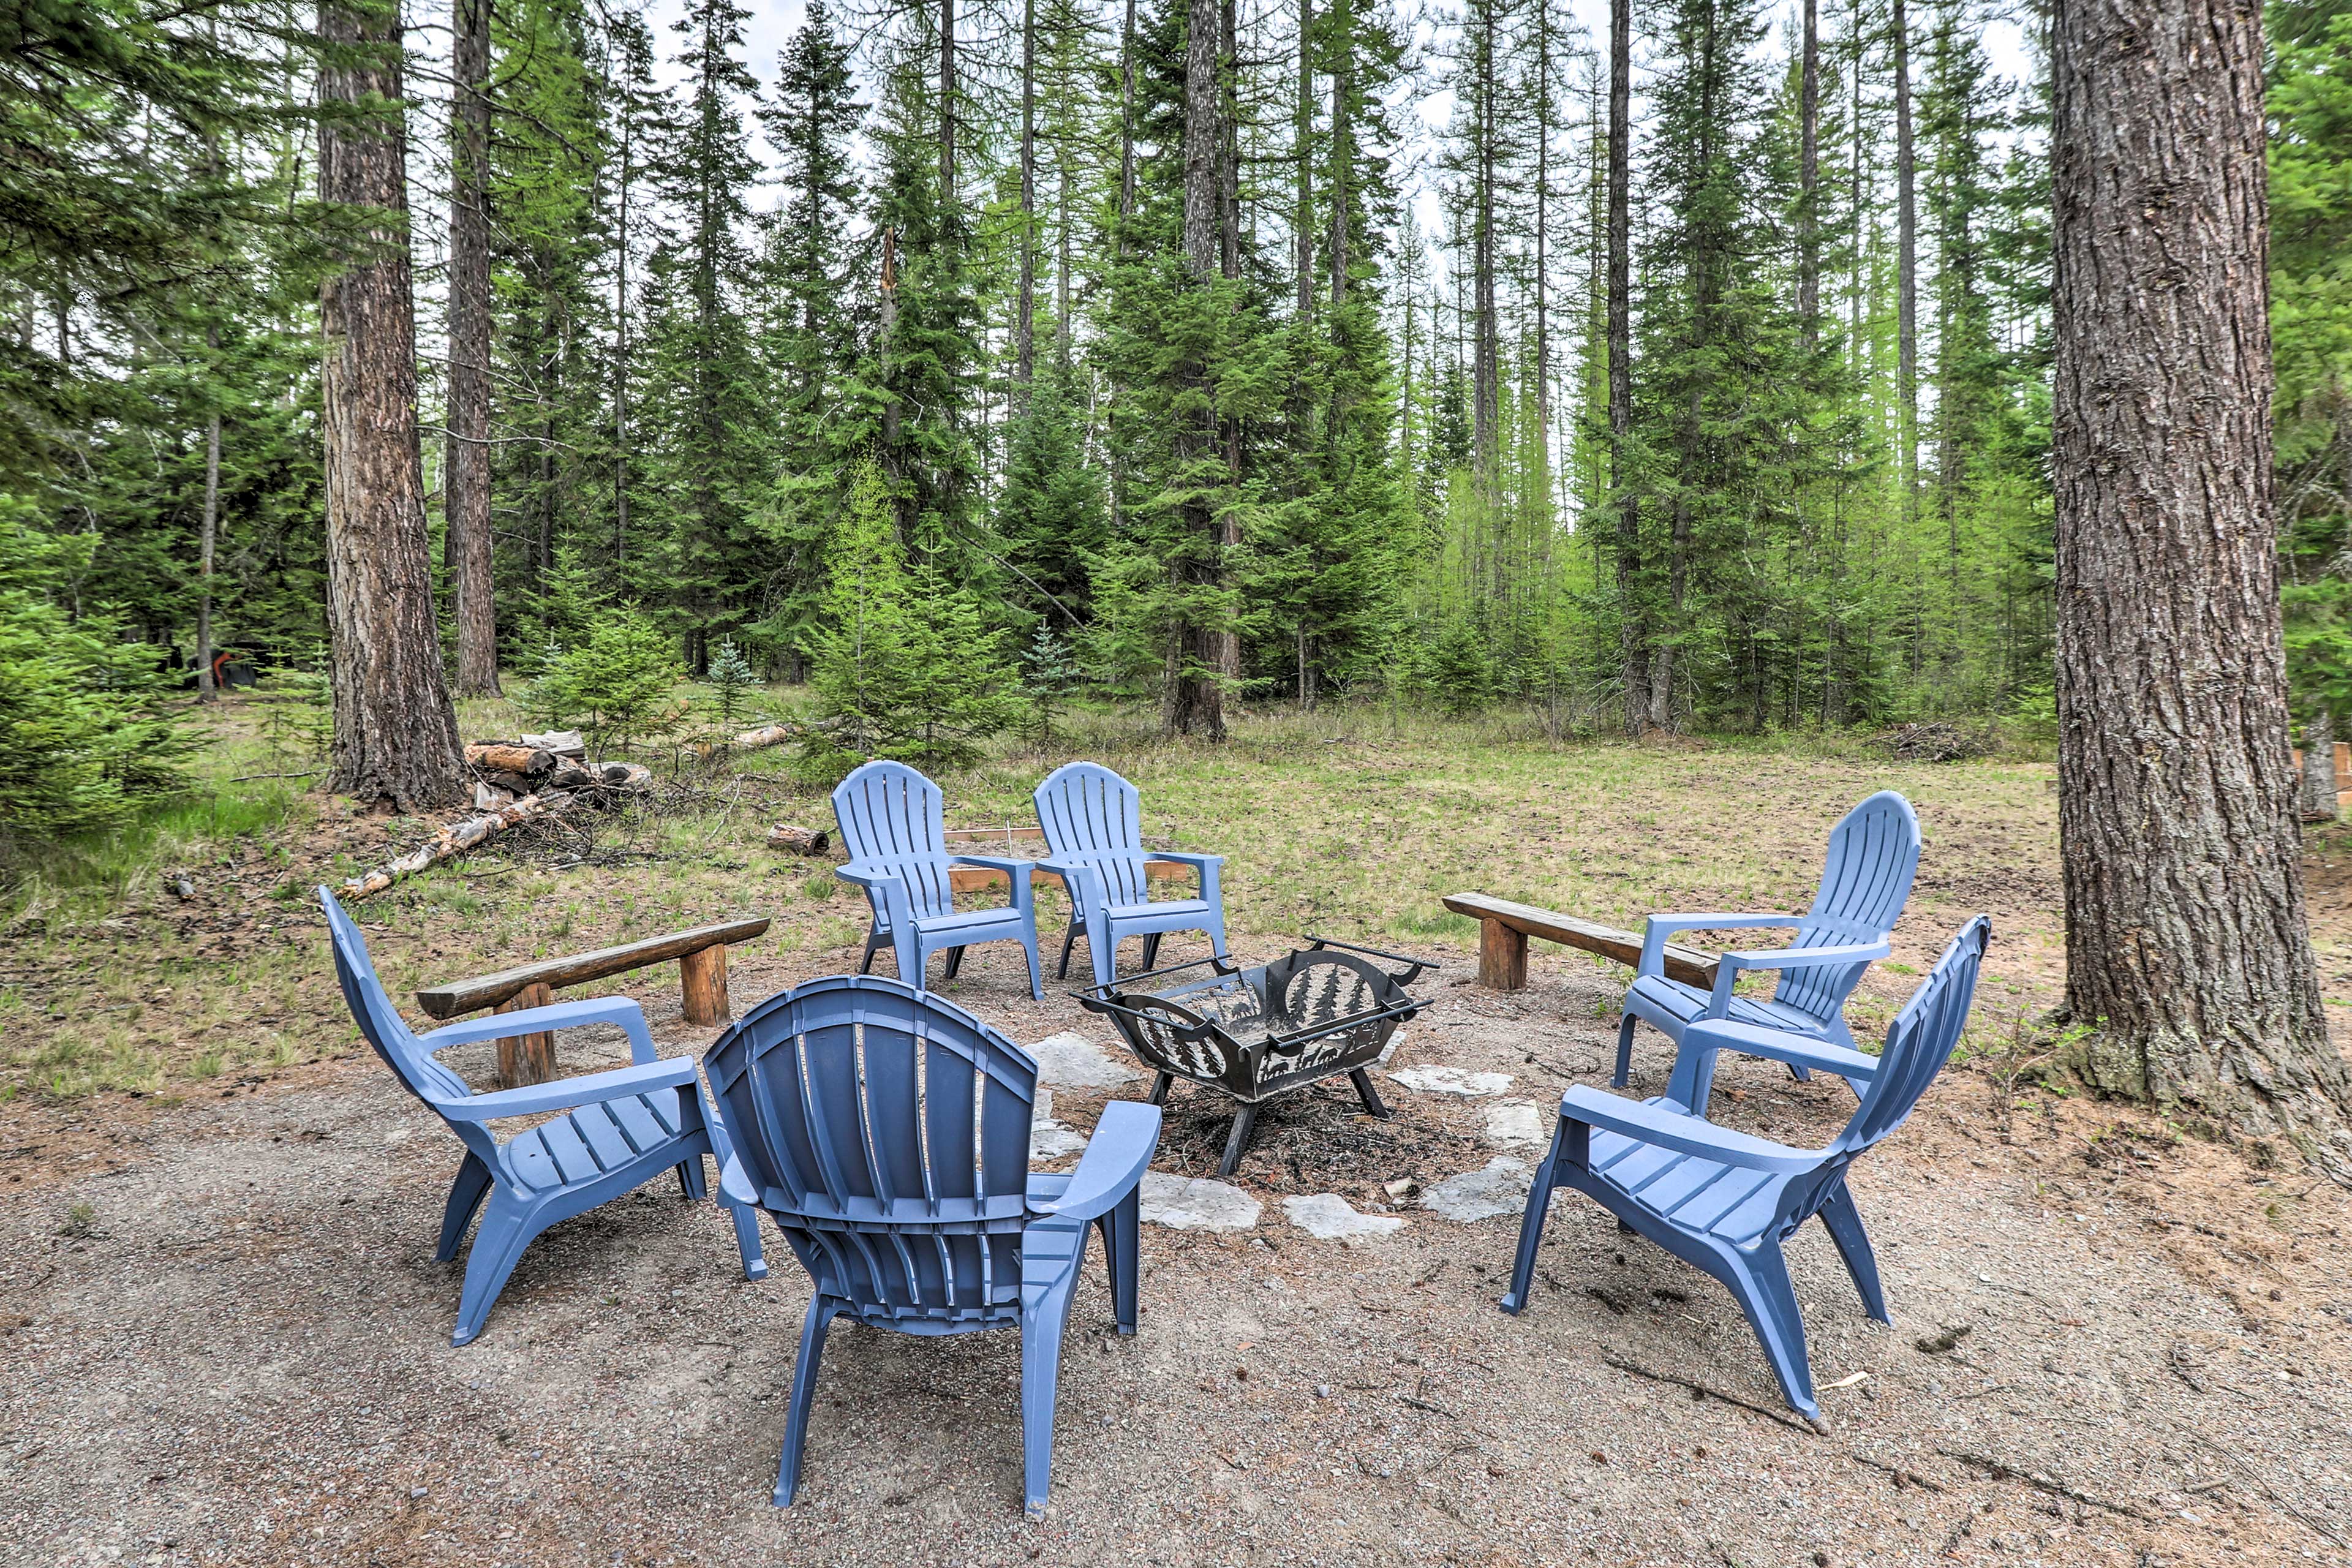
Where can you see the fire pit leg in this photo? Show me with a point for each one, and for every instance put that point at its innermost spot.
(1243, 1124)
(1160, 1088)
(955, 962)
(1363, 1082)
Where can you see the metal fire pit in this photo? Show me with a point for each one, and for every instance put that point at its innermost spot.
(1252, 1034)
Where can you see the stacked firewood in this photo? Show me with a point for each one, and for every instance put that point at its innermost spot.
(554, 763)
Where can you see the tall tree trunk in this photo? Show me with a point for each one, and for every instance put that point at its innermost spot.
(208, 538)
(621, 363)
(1633, 633)
(2187, 944)
(1025, 310)
(1543, 229)
(947, 105)
(1196, 652)
(1487, 339)
(1303, 178)
(1907, 261)
(2318, 798)
(466, 453)
(1229, 162)
(1342, 20)
(1808, 180)
(1127, 127)
(395, 732)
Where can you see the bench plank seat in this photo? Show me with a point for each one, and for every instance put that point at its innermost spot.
(1504, 928)
(488, 991)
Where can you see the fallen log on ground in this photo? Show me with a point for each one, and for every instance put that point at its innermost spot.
(455, 839)
(766, 735)
(504, 757)
(799, 840)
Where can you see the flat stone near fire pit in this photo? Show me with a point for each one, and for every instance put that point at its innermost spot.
(1070, 1061)
(1455, 1082)
(1327, 1217)
(1185, 1202)
(1501, 1188)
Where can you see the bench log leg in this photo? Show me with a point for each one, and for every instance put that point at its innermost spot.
(1502, 957)
(527, 1059)
(703, 976)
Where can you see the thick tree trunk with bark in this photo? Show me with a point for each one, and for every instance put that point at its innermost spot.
(1197, 647)
(2187, 946)
(1633, 638)
(466, 458)
(1302, 200)
(395, 732)
(1906, 258)
(1024, 327)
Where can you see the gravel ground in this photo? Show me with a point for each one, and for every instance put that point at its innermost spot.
(238, 1351)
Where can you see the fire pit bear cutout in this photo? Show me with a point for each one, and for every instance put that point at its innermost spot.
(1253, 1034)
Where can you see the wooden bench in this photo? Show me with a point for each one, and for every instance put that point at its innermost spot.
(701, 955)
(1504, 929)
(1025, 844)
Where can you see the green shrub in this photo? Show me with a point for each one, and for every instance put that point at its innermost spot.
(1462, 669)
(88, 730)
(613, 685)
(733, 683)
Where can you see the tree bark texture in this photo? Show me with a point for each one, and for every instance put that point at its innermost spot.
(1302, 228)
(1633, 632)
(1906, 255)
(1025, 309)
(1809, 177)
(2187, 946)
(465, 462)
(395, 732)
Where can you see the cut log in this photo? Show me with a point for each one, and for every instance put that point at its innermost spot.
(766, 735)
(499, 757)
(527, 1059)
(490, 797)
(562, 742)
(799, 840)
(625, 775)
(570, 775)
(465, 996)
(702, 985)
(2317, 801)
(455, 839)
(1503, 964)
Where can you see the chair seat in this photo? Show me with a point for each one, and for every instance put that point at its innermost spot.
(1684, 1003)
(970, 921)
(1692, 1194)
(594, 1140)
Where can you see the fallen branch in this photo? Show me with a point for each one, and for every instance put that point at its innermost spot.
(1702, 1391)
(455, 839)
(1903, 1478)
(2002, 1471)
(766, 735)
(799, 840)
(2317, 1527)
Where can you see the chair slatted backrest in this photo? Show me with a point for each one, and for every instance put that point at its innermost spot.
(378, 1020)
(888, 1131)
(1874, 853)
(894, 819)
(1921, 1039)
(1090, 814)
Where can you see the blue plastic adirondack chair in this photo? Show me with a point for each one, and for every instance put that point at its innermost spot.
(1725, 1201)
(893, 822)
(1865, 881)
(1093, 835)
(622, 1128)
(886, 1132)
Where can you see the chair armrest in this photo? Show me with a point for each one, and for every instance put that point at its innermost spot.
(1115, 1160)
(1727, 968)
(1776, 1045)
(1657, 927)
(735, 1186)
(618, 1010)
(1663, 1127)
(569, 1093)
(1015, 866)
(1198, 862)
(869, 876)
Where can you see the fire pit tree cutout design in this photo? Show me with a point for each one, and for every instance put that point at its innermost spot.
(1253, 1034)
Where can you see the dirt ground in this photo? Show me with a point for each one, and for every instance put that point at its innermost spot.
(245, 1359)
(227, 1341)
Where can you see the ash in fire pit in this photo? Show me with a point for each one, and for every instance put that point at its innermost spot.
(1255, 1034)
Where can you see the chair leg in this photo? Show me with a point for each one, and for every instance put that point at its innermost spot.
(1216, 929)
(821, 1312)
(1523, 1266)
(1760, 1282)
(692, 1180)
(1069, 940)
(1368, 1094)
(1844, 1222)
(873, 941)
(465, 1195)
(1624, 1050)
(1036, 974)
(1040, 1367)
(1151, 951)
(1160, 1087)
(747, 1242)
(508, 1226)
(1122, 1248)
(1244, 1123)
